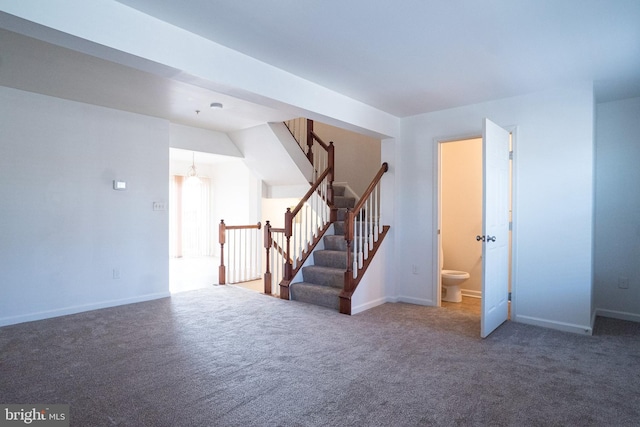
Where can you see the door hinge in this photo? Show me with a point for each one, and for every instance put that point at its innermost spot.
(510, 225)
(510, 155)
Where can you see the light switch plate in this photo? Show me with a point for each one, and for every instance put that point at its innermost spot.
(119, 185)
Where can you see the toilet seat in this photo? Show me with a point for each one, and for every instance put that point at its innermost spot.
(455, 274)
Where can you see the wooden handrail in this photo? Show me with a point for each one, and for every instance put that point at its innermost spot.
(309, 193)
(319, 140)
(376, 179)
(242, 227)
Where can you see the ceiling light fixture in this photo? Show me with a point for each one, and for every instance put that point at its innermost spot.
(216, 105)
(192, 173)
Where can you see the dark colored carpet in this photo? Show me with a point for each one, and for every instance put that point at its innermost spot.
(226, 356)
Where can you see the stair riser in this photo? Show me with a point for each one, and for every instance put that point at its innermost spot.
(335, 243)
(338, 243)
(333, 259)
(338, 190)
(344, 202)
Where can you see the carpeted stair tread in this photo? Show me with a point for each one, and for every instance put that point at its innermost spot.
(311, 293)
(324, 276)
(330, 258)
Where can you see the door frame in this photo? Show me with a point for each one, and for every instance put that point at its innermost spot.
(437, 214)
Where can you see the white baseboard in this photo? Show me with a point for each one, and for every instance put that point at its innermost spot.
(622, 315)
(30, 317)
(560, 326)
(470, 293)
(366, 306)
(418, 301)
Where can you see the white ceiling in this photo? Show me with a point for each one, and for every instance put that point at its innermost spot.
(36, 66)
(413, 56)
(406, 57)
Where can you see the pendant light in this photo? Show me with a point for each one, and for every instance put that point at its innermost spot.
(192, 173)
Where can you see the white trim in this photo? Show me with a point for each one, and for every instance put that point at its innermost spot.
(513, 226)
(370, 304)
(614, 314)
(79, 309)
(560, 326)
(436, 226)
(471, 294)
(417, 301)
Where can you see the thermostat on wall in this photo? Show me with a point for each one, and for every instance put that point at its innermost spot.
(119, 185)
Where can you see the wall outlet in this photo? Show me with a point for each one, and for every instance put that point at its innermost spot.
(116, 273)
(159, 206)
(623, 282)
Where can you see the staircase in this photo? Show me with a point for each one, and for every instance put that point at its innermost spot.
(324, 281)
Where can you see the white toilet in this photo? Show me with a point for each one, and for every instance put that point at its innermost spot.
(451, 281)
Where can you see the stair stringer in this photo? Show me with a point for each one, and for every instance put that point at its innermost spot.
(374, 288)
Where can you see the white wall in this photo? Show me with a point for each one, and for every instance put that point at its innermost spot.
(266, 153)
(617, 209)
(553, 204)
(204, 140)
(64, 229)
(237, 194)
(357, 156)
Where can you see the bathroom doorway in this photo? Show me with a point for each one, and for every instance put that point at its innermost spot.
(461, 242)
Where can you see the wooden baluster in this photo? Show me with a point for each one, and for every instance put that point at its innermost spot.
(222, 232)
(331, 165)
(268, 243)
(310, 140)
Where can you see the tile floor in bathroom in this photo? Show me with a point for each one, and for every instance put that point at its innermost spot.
(468, 305)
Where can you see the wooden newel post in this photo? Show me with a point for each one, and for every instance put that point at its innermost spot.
(288, 266)
(222, 233)
(268, 243)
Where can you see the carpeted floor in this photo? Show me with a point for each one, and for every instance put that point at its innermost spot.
(227, 356)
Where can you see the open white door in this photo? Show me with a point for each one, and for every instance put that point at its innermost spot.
(495, 227)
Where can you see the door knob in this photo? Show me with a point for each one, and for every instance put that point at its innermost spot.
(479, 238)
(491, 238)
